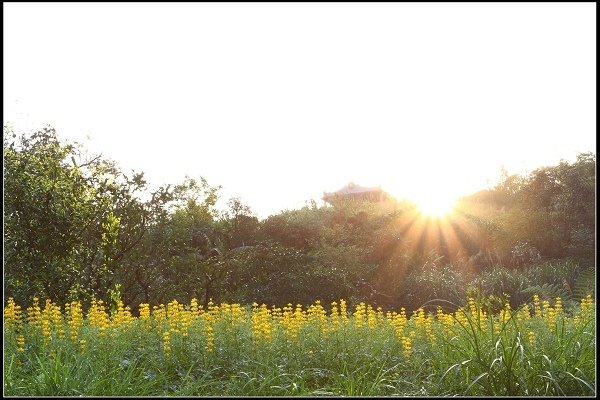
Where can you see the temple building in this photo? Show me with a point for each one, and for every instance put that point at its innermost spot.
(353, 191)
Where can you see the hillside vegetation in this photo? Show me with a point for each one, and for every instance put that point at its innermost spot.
(76, 226)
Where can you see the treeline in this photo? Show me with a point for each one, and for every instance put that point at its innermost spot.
(77, 226)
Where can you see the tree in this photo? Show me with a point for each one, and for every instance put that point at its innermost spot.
(70, 221)
(180, 257)
(48, 208)
(554, 210)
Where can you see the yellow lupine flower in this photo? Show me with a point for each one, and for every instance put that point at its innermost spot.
(406, 346)
(46, 330)
(261, 327)
(461, 317)
(536, 305)
(194, 308)
(360, 315)
(505, 314)
(166, 339)
(291, 321)
(34, 314)
(523, 313)
(558, 305)
(12, 314)
(74, 319)
(144, 311)
(472, 306)
(496, 325)
(98, 317)
(445, 319)
(587, 307)
(343, 310)
(210, 338)
(429, 329)
(213, 310)
(186, 321)
(237, 313)
(334, 317)
(20, 343)
(159, 312)
(371, 317)
(399, 322)
(545, 307)
(419, 317)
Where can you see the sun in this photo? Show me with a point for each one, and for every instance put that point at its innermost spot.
(435, 205)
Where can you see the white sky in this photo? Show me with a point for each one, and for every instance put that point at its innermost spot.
(278, 102)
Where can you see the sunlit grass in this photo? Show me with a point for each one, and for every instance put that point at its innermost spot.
(229, 349)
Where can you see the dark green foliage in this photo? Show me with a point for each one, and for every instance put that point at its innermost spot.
(549, 291)
(585, 283)
(432, 282)
(552, 209)
(500, 281)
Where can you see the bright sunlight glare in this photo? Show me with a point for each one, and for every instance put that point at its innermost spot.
(435, 205)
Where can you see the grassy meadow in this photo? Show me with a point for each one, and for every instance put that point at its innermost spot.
(540, 349)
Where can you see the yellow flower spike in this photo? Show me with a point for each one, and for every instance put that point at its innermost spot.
(12, 314)
(144, 311)
(20, 343)
(389, 316)
(536, 304)
(343, 309)
(166, 342)
(429, 330)
(34, 314)
(406, 346)
(545, 307)
(74, 319)
(496, 327)
(471, 305)
(558, 305)
(47, 332)
(525, 312)
(194, 308)
(160, 313)
(370, 314)
(57, 321)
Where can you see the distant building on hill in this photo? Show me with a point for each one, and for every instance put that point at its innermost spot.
(353, 191)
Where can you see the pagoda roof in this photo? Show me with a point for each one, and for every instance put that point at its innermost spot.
(353, 188)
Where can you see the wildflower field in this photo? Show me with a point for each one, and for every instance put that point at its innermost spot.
(539, 349)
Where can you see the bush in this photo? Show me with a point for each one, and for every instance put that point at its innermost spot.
(501, 282)
(433, 281)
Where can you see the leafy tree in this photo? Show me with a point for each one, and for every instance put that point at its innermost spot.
(174, 260)
(239, 226)
(51, 213)
(70, 220)
(553, 210)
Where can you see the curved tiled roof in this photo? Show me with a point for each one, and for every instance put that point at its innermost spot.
(351, 189)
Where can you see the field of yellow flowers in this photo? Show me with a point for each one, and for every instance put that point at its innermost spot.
(228, 349)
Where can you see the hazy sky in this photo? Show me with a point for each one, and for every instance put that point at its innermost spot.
(278, 102)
